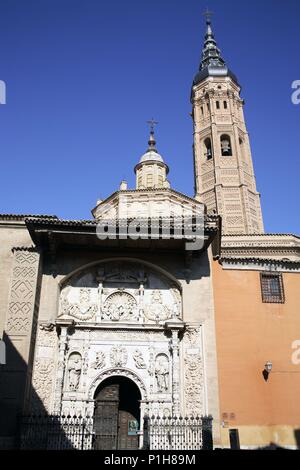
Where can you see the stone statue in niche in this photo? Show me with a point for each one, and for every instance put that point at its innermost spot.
(74, 370)
(100, 360)
(162, 373)
(139, 360)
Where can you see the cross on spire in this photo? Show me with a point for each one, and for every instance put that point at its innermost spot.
(152, 125)
(208, 14)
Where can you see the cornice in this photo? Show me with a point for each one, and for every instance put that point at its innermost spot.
(266, 264)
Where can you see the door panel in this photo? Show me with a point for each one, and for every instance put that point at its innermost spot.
(128, 427)
(115, 418)
(106, 418)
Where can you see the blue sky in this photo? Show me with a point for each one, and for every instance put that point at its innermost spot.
(84, 76)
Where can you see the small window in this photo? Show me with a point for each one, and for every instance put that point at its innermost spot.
(218, 104)
(202, 111)
(149, 180)
(208, 107)
(160, 181)
(225, 104)
(272, 288)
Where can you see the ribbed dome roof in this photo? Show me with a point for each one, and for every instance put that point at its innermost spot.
(151, 155)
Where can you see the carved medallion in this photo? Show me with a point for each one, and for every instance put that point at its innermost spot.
(119, 306)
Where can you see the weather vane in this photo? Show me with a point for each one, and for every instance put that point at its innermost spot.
(152, 124)
(208, 14)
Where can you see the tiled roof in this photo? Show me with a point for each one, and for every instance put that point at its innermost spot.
(25, 216)
(55, 221)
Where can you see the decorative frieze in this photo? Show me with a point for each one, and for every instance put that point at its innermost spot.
(133, 295)
(44, 368)
(193, 372)
(22, 292)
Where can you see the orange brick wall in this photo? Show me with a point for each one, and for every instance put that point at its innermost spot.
(250, 333)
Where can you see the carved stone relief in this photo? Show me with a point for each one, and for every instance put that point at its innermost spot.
(83, 309)
(118, 356)
(42, 384)
(44, 369)
(116, 292)
(193, 372)
(193, 384)
(139, 360)
(156, 310)
(119, 306)
(23, 292)
(100, 361)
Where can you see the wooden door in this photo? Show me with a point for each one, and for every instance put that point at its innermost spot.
(106, 418)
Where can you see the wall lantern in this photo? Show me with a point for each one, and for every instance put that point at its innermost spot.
(267, 370)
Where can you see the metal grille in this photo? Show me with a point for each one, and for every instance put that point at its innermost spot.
(272, 287)
(177, 433)
(56, 432)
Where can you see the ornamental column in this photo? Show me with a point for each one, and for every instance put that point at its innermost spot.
(175, 328)
(61, 364)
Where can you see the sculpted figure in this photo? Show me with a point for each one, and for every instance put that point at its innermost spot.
(139, 360)
(162, 374)
(74, 370)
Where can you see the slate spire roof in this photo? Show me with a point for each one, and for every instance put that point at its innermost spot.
(212, 62)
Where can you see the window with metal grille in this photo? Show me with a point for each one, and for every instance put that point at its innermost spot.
(272, 288)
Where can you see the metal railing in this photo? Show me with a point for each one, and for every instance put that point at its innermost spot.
(51, 432)
(59, 432)
(178, 433)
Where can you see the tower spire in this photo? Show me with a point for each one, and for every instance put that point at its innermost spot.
(151, 171)
(212, 63)
(152, 141)
(211, 54)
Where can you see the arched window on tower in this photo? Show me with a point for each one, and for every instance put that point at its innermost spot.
(218, 104)
(208, 148)
(242, 148)
(226, 148)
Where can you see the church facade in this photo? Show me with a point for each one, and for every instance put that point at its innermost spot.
(112, 320)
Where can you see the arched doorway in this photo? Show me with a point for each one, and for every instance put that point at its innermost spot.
(117, 414)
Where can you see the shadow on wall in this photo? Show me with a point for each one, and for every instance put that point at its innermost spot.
(20, 427)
